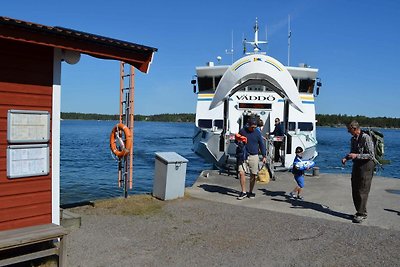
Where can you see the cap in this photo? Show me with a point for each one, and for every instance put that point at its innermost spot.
(299, 149)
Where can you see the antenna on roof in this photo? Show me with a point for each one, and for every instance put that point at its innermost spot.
(231, 51)
(256, 42)
(266, 36)
(244, 44)
(289, 35)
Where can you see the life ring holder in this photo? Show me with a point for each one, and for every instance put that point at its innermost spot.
(125, 147)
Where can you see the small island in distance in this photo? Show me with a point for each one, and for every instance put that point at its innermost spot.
(322, 119)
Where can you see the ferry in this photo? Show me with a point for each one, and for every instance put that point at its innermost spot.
(256, 85)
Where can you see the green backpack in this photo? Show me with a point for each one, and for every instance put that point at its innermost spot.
(379, 145)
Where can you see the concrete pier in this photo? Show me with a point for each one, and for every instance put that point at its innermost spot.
(210, 227)
(326, 196)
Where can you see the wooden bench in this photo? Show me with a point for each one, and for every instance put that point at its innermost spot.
(13, 241)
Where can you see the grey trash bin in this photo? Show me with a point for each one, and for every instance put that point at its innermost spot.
(169, 175)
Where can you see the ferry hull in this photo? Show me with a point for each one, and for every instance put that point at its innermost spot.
(205, 144)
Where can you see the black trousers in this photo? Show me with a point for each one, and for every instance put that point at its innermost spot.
(361, 178)
(277, 147)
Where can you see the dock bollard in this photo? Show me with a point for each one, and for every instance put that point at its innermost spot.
(315, 171)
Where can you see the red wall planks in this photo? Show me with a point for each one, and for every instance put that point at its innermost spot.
(26, 78)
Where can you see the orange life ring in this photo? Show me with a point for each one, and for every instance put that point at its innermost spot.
(125, 147)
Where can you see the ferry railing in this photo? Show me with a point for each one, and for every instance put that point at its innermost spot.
(270, 157)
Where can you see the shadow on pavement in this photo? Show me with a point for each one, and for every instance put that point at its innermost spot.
(395, 211)
(393, 191)
(305, 204)
(219, 189)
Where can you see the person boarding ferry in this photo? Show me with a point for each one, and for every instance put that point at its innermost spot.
(255, 143)
(278, 132)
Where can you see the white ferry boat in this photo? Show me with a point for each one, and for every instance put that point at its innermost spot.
(260, 86)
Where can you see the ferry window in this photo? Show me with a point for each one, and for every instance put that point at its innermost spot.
(306, 86)
(219, 124)
(292, 125)
(305, 126)
(205, 83)
(295, 81)
(269, 89)
(217, 79)
(255, 88)
(204, 123)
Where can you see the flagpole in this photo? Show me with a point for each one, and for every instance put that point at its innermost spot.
(289, 35)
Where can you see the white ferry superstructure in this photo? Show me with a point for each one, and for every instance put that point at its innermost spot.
(260, 86)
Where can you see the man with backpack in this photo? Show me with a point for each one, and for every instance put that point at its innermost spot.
(253, 144)
(363, 155)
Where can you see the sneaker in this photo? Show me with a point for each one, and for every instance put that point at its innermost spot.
(251, 195)
(242, 195)
(359, 218)
(292, 195)
(300, 197)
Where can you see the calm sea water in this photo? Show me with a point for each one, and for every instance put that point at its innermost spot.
(89, 172)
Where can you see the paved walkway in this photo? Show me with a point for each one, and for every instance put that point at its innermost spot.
(213, 228)
(326, 196)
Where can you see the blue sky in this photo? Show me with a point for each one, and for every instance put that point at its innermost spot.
(354, 44)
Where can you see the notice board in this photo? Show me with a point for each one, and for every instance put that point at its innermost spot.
(28, 138)
(27, 160)
(28, 126)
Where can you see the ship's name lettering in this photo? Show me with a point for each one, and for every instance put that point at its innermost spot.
(256, 97)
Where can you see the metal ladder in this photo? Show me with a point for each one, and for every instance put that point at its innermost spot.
(126, 111)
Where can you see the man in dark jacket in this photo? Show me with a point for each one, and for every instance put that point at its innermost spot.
(278, 131)
(254, 144)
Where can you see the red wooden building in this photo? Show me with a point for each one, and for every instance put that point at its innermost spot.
(31, 57)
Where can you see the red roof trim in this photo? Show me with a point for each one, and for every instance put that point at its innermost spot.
(139, 56)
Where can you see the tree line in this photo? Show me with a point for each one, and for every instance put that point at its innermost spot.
(176, 117)
(322, 119)
(342, 120)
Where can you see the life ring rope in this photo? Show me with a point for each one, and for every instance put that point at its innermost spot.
(124, 147)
